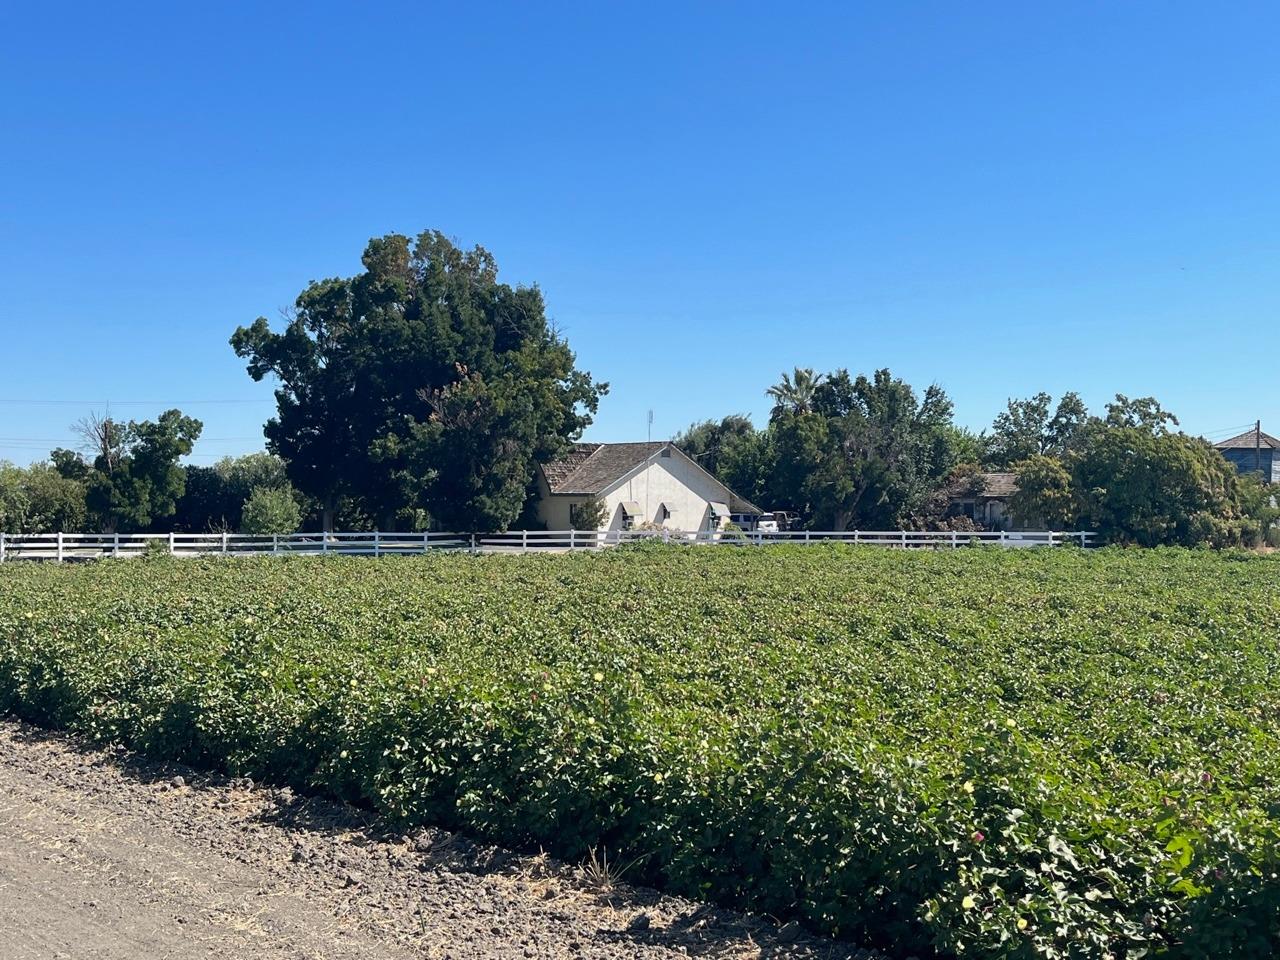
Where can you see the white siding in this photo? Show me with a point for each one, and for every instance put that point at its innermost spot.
(553, 512)
(675, 481)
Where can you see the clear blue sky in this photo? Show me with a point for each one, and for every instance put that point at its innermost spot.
(1002, 198)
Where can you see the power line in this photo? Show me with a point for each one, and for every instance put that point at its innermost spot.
(129, 403)
(19, 440)
(1225, 430)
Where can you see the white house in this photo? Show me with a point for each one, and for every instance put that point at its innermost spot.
(641, 484)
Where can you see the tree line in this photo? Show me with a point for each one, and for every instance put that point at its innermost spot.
(422, 392)
(873, 453)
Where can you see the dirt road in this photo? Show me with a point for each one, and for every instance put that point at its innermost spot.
(104, 856)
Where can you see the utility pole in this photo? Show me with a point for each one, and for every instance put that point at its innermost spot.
(1257, 445)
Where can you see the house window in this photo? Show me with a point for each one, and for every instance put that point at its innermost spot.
(716, 512)
(630, 514)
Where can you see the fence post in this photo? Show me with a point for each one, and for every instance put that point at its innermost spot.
(524, 541)
(1003, 539)
(426, 534)
(1, 546)
(377, 543)
(955, 538)
(59, 546)
(904, 539)
(473, 544)
(275, 543)
(115, 544)
(170, 543)
(573, 540)
(324, 542)
(224, 541)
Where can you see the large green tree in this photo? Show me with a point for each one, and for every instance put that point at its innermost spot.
(1132, 479)
(14, 501)
(40, 499)
(707, 440)
(136, 478)
(56, 504)
(1137, 485)
(1044, 495)
(863, 451)
(1028, 428)
(735, 452)
(795, 392)
(422, 383)
(215, 495)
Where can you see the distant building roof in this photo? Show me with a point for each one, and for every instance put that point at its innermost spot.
(998, 486)
(588, 469)
(983, 486)
(1248, 440)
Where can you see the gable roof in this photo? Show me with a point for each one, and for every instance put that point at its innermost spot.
(984, 486)
(1247, 441)
(558, 471)
(999, 485)
(588, 469)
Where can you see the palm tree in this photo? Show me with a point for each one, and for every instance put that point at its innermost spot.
(795, 392)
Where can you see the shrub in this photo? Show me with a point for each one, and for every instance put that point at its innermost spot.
(271, 510)
(590, 514)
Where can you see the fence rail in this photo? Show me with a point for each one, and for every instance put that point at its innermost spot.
(62, 547)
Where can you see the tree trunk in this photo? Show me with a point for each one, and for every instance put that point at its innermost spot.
(326, 514)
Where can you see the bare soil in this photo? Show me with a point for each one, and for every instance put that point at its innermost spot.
(105, 855)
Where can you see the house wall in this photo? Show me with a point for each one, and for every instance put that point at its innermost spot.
(675, 481)
(1246, 461)
(995, 515)
(554, 512)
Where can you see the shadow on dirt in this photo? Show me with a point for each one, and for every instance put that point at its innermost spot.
(357, 849)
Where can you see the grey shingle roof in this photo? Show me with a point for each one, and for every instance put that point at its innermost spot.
(999, 485)
(558, 471)
(1247, 440)
(602, 464)
(589, 468)
(988, 486)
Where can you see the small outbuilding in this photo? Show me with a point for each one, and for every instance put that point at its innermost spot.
(984, 499)
(642, 485)
(1254, 452)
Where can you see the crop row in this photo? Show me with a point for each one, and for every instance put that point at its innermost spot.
(1031, 753)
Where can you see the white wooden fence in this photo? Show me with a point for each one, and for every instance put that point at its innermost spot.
(61, 547)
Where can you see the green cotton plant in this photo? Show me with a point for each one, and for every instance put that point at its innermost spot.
(1041, 753)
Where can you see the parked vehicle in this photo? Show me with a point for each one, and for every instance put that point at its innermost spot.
(753, 522)
(786, 520)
